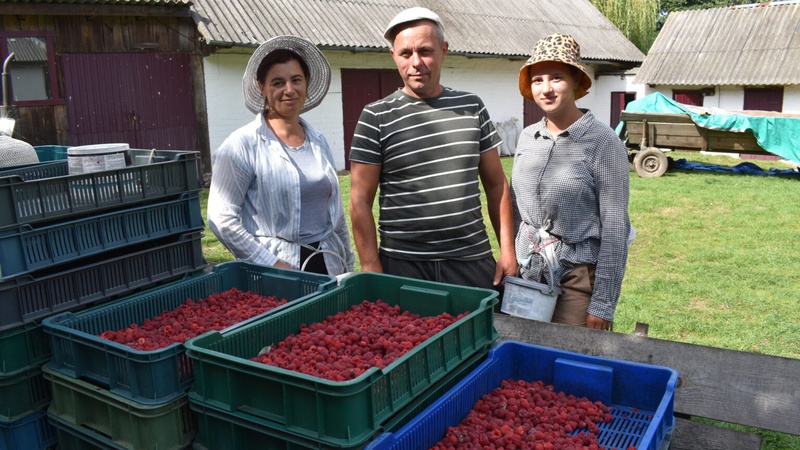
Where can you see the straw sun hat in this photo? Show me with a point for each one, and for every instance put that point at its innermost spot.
(560, 48)
(318, 67)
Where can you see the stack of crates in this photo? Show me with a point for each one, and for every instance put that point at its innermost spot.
(241, 403)
(71, 241)
(112, 396)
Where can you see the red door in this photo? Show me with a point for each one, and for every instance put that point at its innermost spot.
(359, 88)
(142, 99)
(619, 100)
(531, 113)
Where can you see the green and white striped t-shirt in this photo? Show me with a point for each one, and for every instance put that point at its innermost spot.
(429, 151)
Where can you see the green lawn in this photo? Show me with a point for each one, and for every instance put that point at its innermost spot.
(715, 262)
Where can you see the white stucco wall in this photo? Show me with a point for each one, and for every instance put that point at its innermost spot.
(493, 79)
(732, 97)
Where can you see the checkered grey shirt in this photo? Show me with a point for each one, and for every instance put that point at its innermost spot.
(578, 182)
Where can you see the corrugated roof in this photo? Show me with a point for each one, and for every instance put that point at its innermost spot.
(103, 2)
(473, 27)
(742, 45)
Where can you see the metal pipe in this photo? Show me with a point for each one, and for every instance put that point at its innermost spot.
(5, 83)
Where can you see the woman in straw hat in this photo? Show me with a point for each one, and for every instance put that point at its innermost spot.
(569, 188)
(274, 196)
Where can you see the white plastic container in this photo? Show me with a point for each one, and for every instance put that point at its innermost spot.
(93, 158)
(529, 299)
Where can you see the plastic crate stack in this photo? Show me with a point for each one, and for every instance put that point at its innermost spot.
(109, 395)
(71, 241)
(240, 403)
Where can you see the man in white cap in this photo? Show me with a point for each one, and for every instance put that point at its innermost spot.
(429, 148)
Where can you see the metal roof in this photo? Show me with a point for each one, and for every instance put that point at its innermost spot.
(497, 28)
(746, 45)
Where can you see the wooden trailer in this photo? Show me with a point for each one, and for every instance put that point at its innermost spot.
(647, 134)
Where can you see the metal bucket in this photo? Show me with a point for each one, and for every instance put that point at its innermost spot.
(529, 299)
(93, 158)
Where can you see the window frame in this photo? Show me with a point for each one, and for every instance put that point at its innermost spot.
(49, 38)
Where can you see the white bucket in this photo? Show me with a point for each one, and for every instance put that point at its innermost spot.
(529, 299)
(93, 158)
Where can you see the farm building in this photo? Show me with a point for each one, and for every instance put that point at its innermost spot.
(167, 73)
(489, 41)
(736, 58)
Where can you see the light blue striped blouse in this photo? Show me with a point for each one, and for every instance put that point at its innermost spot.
(254, 200)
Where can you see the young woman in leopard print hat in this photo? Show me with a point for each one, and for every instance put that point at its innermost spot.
(569, 189)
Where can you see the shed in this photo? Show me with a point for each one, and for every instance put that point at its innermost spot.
(101, 71)
(734, 58)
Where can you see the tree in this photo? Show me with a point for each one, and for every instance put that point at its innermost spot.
(668, 6)
(636, 19)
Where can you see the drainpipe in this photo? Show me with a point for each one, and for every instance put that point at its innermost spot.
(5, 84)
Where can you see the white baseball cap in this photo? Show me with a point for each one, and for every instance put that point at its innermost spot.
(411, 15)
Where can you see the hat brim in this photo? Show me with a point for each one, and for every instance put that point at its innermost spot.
(318, 67)
(525, 80)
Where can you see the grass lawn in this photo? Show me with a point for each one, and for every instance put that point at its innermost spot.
(715, 261)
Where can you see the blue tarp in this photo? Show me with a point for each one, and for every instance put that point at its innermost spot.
(746, 168)
(775, 134)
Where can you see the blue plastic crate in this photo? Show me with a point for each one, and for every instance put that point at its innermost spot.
(51, 152)
(641, 396)
(43, 197)
(157, 376)
(32, 432)
(26, 248)
(25, 299)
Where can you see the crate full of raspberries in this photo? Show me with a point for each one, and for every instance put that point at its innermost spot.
(133, 346)
(528, 396)
(334, 369)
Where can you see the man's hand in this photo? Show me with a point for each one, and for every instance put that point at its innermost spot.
(506, 266)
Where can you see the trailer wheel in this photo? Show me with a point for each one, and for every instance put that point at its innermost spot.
(650, 163)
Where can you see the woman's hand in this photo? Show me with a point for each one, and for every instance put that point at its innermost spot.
(597, 323)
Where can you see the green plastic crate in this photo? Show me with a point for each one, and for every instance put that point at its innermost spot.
(32, 432)
(24, 299)
(23, 393)
(36, 171)
(159, 375)
(27, 248)
(166, 174)
(119, 421)
(339, 414)
(217, 430)
(23, 347)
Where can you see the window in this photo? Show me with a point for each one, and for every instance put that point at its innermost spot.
(693, 97)
(31, 75)
(763, 99)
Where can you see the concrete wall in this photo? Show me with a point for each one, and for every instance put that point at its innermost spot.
(494, 79)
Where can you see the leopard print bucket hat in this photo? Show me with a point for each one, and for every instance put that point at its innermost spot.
(556, 47)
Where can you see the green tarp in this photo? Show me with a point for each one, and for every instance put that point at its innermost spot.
(775, 134)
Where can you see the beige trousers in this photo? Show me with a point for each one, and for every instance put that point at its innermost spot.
(576, 292)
